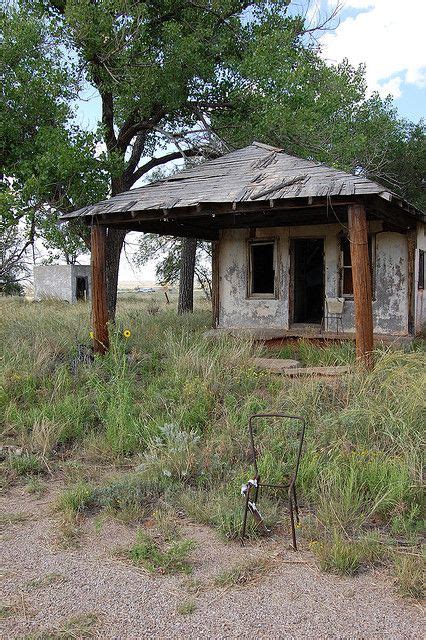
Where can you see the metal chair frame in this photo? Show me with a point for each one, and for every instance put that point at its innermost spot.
(256, 482)
(328, 317)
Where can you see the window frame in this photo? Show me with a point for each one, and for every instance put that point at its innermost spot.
(262, 296)
(342, 267)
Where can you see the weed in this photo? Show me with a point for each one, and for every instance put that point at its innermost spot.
(410, 576)
(7, 519)
(244, 573)
(165, 521)
(76, 499)
(45, 581)
(81, 626)
(193, 586)
(36, 486)
(344, 556)
(6, 610)
(26, 464)
(338, 555)
(187, 607)
(172, 558)
(177, 411)
(67, 535)
(131, 497)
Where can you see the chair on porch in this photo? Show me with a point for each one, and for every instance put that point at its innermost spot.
(333, 311)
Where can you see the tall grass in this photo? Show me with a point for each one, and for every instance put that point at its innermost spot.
(175, 404)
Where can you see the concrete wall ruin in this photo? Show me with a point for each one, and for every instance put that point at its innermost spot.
(59, 281)
(390, 286)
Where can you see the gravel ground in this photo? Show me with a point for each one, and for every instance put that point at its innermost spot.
(294, 600)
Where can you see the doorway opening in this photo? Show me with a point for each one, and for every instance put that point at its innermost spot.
(81, 288)
(308, 280)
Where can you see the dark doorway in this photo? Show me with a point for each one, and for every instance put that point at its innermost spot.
(308, 280)
(81, 288)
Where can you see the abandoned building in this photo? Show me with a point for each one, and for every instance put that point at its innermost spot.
(299, 248)
(68, 282)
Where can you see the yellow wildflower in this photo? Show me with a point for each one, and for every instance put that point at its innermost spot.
(126, 333)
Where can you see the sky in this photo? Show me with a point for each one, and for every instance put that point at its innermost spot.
(388, 36)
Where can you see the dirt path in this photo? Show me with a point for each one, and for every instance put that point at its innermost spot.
(89, 590)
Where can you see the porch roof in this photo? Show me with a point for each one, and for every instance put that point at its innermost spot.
(258, 185)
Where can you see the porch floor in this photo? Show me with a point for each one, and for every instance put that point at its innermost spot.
(310, 332)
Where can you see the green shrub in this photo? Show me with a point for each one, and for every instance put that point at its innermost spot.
(410, 576)
(76, 499)
(171, 558)
(26, 464)
(338, 555)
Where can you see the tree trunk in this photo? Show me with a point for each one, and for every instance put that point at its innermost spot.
(114, 244)
(186, 281)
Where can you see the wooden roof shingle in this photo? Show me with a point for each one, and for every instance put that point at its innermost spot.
(255, 173)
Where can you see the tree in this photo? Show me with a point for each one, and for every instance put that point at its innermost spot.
(162, 69)
(168, 252)
(48, 165)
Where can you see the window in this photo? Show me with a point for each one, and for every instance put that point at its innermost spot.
(346, 282)
(262, 261)
(421, 279)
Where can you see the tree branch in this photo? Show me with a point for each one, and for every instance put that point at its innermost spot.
(175, 155)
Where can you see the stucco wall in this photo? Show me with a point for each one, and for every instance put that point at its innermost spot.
(236, 310)
(58, 282)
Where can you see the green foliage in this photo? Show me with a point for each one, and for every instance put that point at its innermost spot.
(25, 464)
(76, 499)
(187, 607)
(410, 576)
(172, 558)
(132, 496)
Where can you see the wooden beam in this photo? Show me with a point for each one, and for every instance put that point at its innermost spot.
(361, 276)
(215, 283)
(99, 295)
(170, 228)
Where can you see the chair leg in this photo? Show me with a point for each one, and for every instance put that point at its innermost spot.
(256, 493)
(293, 529)
(296, 506)
(246, 508)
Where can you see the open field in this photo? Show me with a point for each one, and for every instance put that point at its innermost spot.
(122, 477)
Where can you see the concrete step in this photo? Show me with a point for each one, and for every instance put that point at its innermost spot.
(293, 368)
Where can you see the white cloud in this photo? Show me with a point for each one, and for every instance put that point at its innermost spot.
(388, 36)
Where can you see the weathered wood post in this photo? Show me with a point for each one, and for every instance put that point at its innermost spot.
(99, 292)
(362, 285)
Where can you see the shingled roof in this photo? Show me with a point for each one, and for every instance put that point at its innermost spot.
(258, 173)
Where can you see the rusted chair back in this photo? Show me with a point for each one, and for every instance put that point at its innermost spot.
(255, 483)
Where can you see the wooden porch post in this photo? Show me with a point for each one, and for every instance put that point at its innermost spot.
(215, 283)
(99, 294)
(362, 286)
